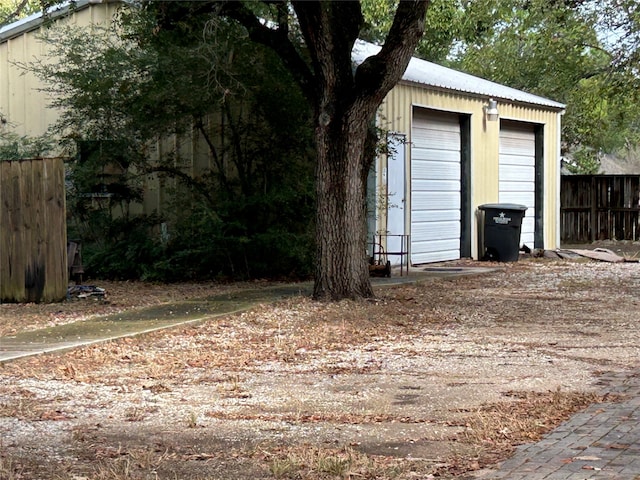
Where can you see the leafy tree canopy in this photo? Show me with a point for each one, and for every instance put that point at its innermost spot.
(313, 41)
(583, 53)
(12, 10)
(557, 50)
(16, 147)
(344, 101)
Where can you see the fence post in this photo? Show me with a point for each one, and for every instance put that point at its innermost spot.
(594, 210)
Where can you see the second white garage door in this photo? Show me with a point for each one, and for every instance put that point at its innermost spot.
(518, 173)
(435, 187)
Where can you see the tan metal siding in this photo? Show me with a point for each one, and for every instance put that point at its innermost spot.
(22, 103)
(24, 108)
(395, 116)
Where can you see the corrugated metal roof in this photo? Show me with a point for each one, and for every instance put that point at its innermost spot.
(35, 20)
(439, 77)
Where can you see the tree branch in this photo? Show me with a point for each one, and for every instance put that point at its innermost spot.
(15, 14)
(216, 158)
(277, 39)
(190, 181)
(377, 75)
(329, 29)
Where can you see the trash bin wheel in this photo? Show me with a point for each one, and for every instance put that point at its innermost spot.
(491, 255)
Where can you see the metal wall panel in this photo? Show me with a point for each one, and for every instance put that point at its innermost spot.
(396, 115)
(433, 216)
(25, 107)
(434, 200)
(443, 231)
(443, 161)
(23, 102)
(432, 251)
(517, 174)
(422, 185)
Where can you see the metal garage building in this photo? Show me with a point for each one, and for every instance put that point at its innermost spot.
(456, 157)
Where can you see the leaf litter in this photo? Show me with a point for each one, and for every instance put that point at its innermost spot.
(438, 378)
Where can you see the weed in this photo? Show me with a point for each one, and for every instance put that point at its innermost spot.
(9, 471)
(22, 408)
(118, 469)
(283, 468)
(307, 461)
(333, 465)
(525, 420)
(192, 420)
(232, 388)
(135, 414)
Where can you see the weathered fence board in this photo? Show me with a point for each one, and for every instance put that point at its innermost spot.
(599, 207)
(33, 239)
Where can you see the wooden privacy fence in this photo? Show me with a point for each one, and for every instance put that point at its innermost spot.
(599, 207)
(33, 238)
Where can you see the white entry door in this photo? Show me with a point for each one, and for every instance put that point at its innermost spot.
(435, 187)
(518, 173)
(396, 195)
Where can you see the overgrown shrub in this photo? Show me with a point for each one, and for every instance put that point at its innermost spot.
(246, 211)
(127, 251)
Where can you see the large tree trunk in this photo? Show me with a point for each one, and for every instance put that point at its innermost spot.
(341, 265)
(344, 102)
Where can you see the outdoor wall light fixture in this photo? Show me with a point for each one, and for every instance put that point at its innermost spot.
(491, 110)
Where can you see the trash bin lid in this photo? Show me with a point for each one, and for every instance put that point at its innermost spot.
(503, 206)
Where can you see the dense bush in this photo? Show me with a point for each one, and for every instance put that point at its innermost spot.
(249, 216)
(195, 248)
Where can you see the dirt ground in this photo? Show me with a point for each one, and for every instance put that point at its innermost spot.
(439, 379)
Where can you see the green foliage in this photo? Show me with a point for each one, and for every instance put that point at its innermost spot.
(583, 161)
(126, 88)
(12, 10)
(16, 147)
(443, 24)
(535, 47)
(119, 248)
(583, 53)
(99, 79)
(259, 237)
(557, 50)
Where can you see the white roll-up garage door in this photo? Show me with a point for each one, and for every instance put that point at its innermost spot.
(518, 173)
(435, 187)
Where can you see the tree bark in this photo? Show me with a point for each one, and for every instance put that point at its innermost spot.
(345, 108)
(341, 268)
(345, 102)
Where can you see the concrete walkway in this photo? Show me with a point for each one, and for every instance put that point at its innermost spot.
(110, 327)
(602, 442)
(137, 322)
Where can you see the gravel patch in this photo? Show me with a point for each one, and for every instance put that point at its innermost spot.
(389, 388)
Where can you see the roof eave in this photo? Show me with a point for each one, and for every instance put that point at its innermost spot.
(33, 22)
(550, 105)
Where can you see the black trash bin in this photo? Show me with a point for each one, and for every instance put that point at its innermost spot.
(502, 226)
